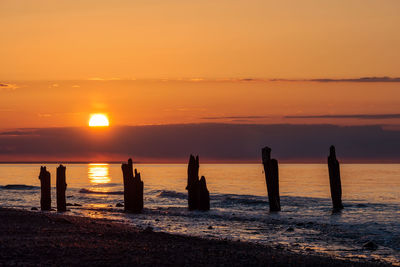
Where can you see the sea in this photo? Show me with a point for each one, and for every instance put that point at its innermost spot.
(239, 204)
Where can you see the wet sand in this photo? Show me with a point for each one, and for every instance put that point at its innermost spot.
(48, 238)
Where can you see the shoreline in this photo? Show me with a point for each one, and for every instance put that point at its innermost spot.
(38, 238)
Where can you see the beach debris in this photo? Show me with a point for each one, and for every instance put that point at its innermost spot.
(290, 229)
(73, 205)
(334, 180)
(119, 205)
(133, 188)
(45, 196)
(370, 245)
(61, 187)
(198, 194)
(272, 179)
(210, 227)
(34, 208)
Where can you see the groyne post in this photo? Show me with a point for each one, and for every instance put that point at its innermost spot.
(61, 187)
(204, 195)
(133, 188)
(45, 196)
(272, 179)
(334, 180)
(198, 194)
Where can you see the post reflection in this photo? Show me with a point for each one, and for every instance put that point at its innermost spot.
(98, 173)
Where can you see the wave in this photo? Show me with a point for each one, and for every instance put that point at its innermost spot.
(19, 187)
(88, 191)
(107, 185)
(242, 199)
(172, 194)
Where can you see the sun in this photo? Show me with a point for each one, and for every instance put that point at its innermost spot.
(98, 120)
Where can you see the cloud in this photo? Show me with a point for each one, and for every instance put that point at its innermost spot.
(235, 117)
(104, 79)
(8, 86)
(354, 80)
(212, 141)
(28, 132)
(347, 116)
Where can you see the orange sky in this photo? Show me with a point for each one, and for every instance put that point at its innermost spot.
(163, 62)
(64, 39)
(143, 102)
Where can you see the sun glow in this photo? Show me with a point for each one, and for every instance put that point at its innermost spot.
(98, 120)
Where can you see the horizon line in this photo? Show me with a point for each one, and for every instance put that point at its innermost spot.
(281, 161)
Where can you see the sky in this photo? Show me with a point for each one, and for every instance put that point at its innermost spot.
(64, 39)
(169, 63)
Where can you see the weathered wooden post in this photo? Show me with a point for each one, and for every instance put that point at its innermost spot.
(133, 188)
(198, 195)
(61, 186)
(193, 180)
(272, 178)
(204, 195)
(45, 197)
(334, 180)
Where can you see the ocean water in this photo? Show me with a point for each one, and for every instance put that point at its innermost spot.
(239, 203)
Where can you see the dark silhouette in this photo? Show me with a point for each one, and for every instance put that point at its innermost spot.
(198, 195)
(45, 197)
(61, 186)
(334, 180)
(295, 143)
(133, 189)
(272, 178)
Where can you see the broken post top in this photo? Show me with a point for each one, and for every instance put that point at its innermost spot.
(137, 175)
(203, 181)
(193, 168)
(332, 152)
(128, 166)
(43, 172)
(266, 154)
(61, 167)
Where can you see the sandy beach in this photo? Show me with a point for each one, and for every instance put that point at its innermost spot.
(48, 238)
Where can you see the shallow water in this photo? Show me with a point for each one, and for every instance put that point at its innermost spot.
(239, 205)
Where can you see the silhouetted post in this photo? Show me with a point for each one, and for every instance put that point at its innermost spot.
(61, 186)
(272, 178)
(198, 195)
(133, 188)
(334, 180)
(204, 195)
(45, 198)
(193, 180)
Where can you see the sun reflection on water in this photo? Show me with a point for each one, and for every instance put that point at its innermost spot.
(98, 173)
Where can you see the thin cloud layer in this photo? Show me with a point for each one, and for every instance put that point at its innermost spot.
(8, 86)
(384, 79)
(347, 116)
(235, 117)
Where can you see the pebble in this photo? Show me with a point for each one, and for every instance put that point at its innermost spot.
(370, 245)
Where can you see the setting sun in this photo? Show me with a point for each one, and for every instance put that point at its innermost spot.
(98, 120)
